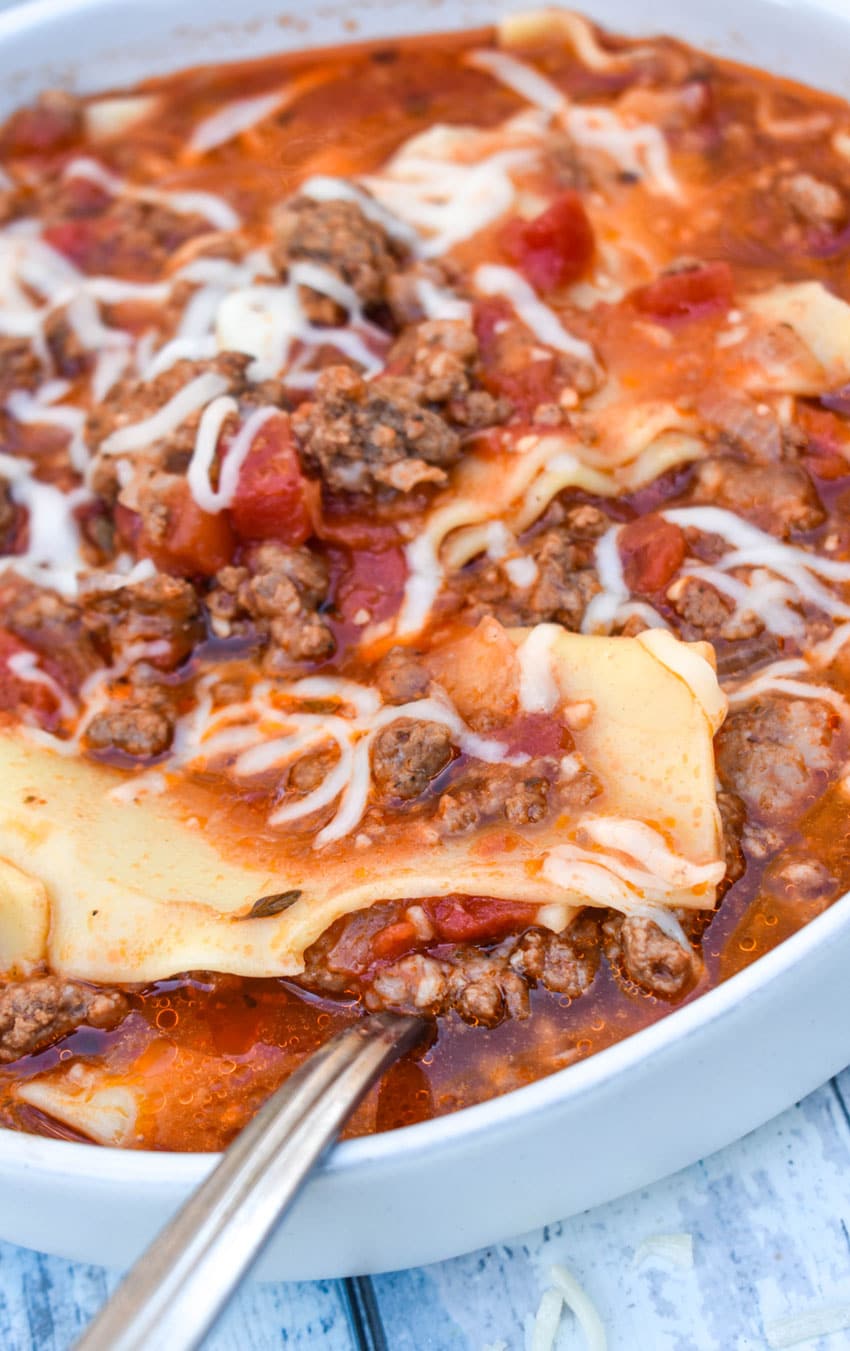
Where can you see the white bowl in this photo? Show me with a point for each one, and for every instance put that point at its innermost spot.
(654, 1103)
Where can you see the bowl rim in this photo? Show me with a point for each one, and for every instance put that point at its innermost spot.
(99, 1163)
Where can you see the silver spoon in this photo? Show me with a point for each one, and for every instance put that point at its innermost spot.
(180, 1285)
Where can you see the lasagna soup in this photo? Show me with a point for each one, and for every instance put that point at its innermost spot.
(424, 563)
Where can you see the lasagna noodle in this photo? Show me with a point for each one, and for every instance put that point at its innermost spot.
(116, 891)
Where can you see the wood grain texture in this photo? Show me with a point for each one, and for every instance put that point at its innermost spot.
(770, 1218)
(45, 1303)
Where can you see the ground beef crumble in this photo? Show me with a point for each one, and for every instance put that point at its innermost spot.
(20, 368)
(779, 498)
(560, 581)
(483, 986)
(53, 627)
(39, 1009)
(9, 516)
(519, 795)
(336, 235)
(401, 677)
(398, 430)
(777, 753)
(647, 955)
(160, 610)
(274, 597)
(441, 355)
(138, 722)
(407, 755)
(364, 438)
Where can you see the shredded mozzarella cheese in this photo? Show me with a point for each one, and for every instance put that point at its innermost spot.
(637, 148)
(523, 79)
(215, 500)
(25, 666)
(52, 558)
(445, 200)
(764, 596)
(215, 209)
(806, 1326)
(675, 1248)
(24, 408)
(493, 280)
(233, 119)
(539, 691)
(139, 435)
(249, 730)
(578, 1300)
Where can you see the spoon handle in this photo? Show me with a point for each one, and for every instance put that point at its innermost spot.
(182, 1282)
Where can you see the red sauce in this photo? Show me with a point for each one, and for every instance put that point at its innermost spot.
(208, 1049)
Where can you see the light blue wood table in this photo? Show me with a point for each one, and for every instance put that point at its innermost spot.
(769, 1216)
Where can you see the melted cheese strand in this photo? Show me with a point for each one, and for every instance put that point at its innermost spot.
(757, 545)
(493, 280)
(424, 580)
(754, 548)
(637, 840)
(523, 79)
(539, 691)
(354, 799)
(602, 611)
(31, 411)
(772, 682)
(25, 666)
(585, 876)
(213, 418)
(364, 700)
(53, 556)
(349, 780)
(139, 435)
(767, 598)
(446, 200)
(332, 786)
(238, 453)
(439, 303)
(323, 188)
(636, 147)
(265, 321)
(233, 119)
(214, 209)
(612, 605)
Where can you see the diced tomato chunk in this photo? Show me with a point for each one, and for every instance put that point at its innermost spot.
(827, 452)
(652, 551)
(196, 543)
(556, 247)
(76, 239)
(273, 499)
(338, 525)
(15, 692)
(394, 940)
(370, 584)
(41, 129)
(473, 919)
(535, 734)
(686, 295)
(506, 370)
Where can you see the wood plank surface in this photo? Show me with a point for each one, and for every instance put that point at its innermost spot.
(770, 1219)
